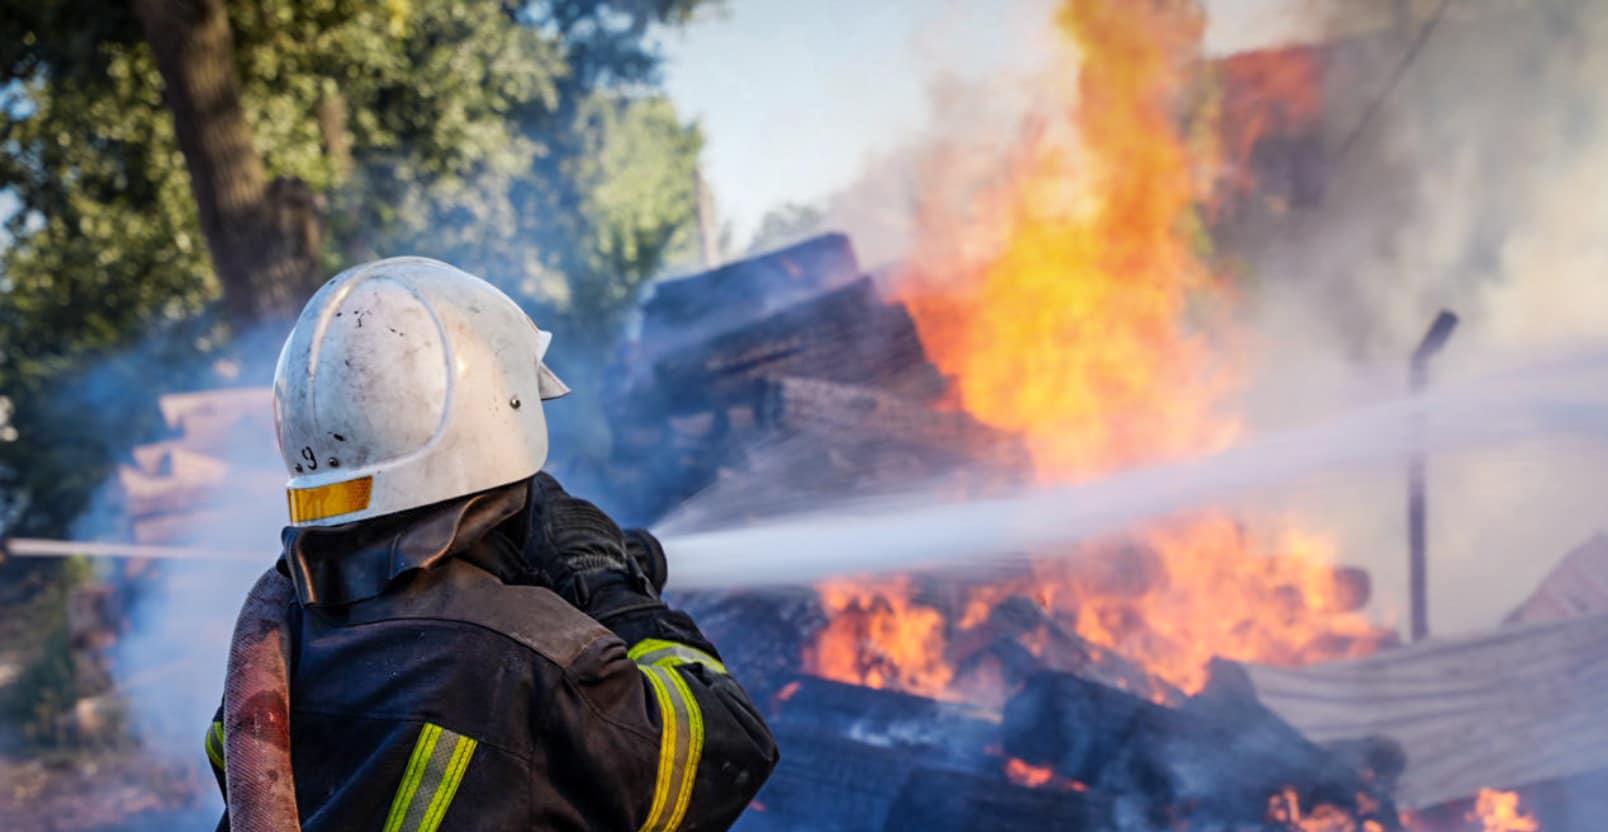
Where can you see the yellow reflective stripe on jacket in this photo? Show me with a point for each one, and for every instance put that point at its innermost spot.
(657, 651)
(434, 772)
(680, 747)
(667, 746)
(695, 740)
(215, 745)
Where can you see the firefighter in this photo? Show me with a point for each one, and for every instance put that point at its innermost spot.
(469, 646)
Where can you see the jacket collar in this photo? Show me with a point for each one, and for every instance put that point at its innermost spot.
(335, 565)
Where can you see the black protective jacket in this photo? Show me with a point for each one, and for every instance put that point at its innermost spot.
(434, 687)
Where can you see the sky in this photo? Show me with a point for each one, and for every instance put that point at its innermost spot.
(794, 97)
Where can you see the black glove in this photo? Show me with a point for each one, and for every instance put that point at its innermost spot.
(568, 537)
(648, 555)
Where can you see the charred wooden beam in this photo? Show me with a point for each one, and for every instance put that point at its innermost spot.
(1220, 756)
(703, 305)
(830, 782)
(849, 335)
(934, 732)
(1001, 641)
(829, 409)
(936, 800)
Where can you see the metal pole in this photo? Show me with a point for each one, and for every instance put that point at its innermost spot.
(1417, 519)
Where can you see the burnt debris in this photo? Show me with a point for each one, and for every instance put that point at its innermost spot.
(792, 378)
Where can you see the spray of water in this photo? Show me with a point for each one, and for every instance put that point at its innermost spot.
(1561, 395)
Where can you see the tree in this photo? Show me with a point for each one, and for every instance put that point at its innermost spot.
(183, 168)
(786, 224)
(263, 242)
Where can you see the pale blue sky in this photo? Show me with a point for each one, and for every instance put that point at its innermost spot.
(794, 96)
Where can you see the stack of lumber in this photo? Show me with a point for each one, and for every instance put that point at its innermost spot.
(793, 361)
(1507, 708)
(817, 387)
(1578, 586)
(216, 481)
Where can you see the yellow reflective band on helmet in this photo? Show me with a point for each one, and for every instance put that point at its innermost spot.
(658, 652)
(680, 747)
(215, 745)
(431, 780)
(324, 501)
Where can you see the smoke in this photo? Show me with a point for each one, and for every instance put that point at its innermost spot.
(1562, 396)
(991, 68)
(168, 667)
(1476, 186)
(1467, 176)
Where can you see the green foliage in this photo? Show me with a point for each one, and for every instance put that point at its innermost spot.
(524, 142)
(637, 173)
(786, 224)
(37, 703)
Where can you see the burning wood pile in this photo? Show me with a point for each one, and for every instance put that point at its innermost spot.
(933, 702)
(1056, 322)
(1065, 318)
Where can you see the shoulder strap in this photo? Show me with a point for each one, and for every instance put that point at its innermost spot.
(456, 590)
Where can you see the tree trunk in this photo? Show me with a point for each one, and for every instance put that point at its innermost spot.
(263, 239)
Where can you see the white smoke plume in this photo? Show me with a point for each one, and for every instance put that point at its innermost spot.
(1476, 186)
(1460, 169)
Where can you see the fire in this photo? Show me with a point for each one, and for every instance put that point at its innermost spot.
(1285, 809)
(1074, 302)
(876, 636)
(1023, 773)
(1498, 811)
(1220, 593)
(1268, 93)
(1072, 330)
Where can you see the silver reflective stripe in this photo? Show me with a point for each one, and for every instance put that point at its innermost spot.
(434, 772)
(680, 746)
(655, 651)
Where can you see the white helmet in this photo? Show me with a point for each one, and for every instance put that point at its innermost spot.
(404, 383)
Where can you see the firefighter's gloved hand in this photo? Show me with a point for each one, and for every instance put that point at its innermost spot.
(568, 536)
(648, 555)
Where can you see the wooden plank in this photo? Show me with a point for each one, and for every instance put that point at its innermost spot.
(1214, 761)
(699, 306)
(937, 800)
(849, 335)
(830, 782)
(1501, 709)
(1577, 586)
(828, 410)
(1001, 642)
(951, 734)
(186, 411)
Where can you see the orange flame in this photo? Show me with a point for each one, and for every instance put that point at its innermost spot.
(1024, 773)
(1498, 811)
(1285, 808)
(1269, 93)
(1073, 302)
(876, 636)
(1071, 331)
